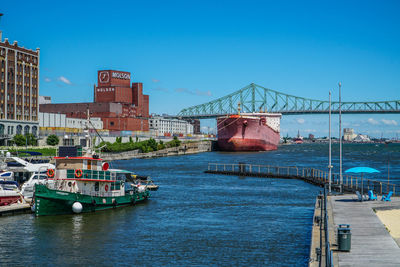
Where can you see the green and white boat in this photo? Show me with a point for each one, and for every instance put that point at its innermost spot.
(86, 184)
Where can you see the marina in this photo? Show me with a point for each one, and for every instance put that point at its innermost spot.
(196, 133)
(210, 211)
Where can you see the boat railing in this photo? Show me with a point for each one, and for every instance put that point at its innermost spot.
(349, 182)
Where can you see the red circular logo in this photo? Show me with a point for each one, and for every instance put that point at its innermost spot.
(104, 76)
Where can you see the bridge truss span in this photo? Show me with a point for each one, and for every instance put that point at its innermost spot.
(255, 98)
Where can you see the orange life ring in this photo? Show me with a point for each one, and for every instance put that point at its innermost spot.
(106, 187)
(78, 173)
(50, 173)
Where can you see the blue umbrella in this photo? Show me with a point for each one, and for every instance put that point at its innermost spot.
(362, 170)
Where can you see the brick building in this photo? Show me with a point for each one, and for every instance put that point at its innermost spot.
(122, 106)
(19, 90)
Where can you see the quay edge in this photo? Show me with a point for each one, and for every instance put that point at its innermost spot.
(183, 149)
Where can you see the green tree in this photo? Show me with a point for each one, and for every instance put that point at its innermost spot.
(152, 144)
(52, 140)
(19, 140)
(31, 140)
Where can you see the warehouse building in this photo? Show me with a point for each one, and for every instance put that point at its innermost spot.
(163, 126)
(122, 106)
(19, 90)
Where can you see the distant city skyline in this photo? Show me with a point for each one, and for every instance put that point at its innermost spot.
(188, 53)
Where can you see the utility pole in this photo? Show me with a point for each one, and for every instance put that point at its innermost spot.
(340, 137)
(330, 146)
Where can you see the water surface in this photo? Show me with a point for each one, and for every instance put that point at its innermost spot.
(195, 218)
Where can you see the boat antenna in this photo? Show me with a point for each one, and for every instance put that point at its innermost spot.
(238, 108)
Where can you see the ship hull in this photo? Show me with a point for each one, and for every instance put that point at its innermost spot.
(246, 133)
(9, 199)
(55, 202)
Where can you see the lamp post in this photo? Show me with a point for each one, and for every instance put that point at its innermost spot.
(340, 137)
(330, 146)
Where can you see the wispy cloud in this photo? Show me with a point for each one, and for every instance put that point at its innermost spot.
(389, 122)
(161, 89)
(64, 80)
(372, 121)
(206, 93)
(195, 92)
(206, 129)
(300, 121)
(310, 131)
(47, 80)
(155, 80)
(183, 90)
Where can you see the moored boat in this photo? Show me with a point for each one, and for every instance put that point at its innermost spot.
(9, 193)
(84, 184)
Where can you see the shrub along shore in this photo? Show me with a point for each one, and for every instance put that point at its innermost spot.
(132, 149)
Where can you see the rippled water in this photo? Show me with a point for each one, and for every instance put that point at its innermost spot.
(194, 218)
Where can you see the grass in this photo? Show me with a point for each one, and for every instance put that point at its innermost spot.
(44, 151)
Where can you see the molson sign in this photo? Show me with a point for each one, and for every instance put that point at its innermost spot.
(113, 77)
(121, 75)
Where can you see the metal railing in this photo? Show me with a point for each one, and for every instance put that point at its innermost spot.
(328, 251)
(350, 183)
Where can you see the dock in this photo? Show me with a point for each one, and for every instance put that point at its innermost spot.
(315, 176)
(371, 242)
(16, 208)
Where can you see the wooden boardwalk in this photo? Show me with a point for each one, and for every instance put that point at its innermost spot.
(371, 243)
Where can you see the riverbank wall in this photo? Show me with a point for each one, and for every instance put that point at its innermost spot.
(183, 149)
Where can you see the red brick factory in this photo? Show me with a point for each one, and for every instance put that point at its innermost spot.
(120, 105)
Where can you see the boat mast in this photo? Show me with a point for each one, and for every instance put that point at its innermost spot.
(87, 136)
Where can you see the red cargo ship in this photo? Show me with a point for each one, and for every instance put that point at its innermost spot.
(249, 132)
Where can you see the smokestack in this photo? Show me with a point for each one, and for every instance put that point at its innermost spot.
(1, 33)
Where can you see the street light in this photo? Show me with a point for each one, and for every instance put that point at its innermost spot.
(340, 136)
(330, 146)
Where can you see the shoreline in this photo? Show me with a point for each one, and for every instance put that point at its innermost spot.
(183, 149)
(390, 219)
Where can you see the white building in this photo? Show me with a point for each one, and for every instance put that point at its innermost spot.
(61, 121)
(362, 138)
(44, 99)
(161, 125)
(348, 134)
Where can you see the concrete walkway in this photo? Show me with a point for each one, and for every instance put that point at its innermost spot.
(371, 244)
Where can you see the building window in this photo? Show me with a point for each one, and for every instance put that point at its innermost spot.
(34, 130)
(19, 129)
(26, 130)
(112, 123)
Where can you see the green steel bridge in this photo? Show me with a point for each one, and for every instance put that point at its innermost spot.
(255, 98)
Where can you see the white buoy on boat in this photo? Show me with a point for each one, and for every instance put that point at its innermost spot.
(77, 207)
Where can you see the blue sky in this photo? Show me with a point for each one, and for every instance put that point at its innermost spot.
(191, 52)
